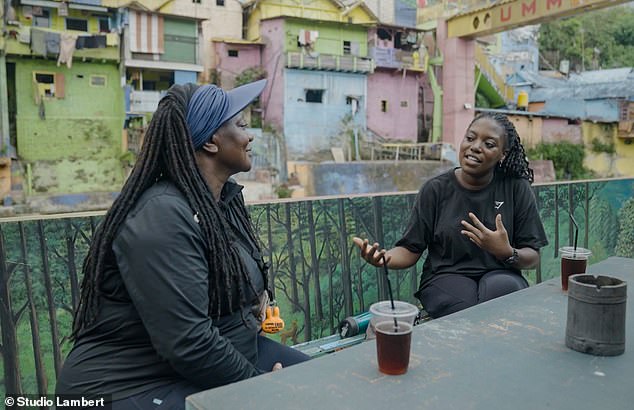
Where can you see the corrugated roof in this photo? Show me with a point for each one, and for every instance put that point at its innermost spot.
(603, 76)
(589, 85)
(584, 91)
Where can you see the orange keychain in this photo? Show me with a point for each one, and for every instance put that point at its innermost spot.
(273, 322)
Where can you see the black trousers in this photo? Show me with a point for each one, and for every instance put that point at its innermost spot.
(449, 293)
(172, 396)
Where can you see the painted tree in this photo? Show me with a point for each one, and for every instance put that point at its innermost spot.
(40, 372)
(625, 238)
(9, 320)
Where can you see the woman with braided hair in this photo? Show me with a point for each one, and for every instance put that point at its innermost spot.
(174, 280)
(478, 222)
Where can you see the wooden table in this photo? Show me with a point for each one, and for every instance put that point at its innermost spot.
(508, 353)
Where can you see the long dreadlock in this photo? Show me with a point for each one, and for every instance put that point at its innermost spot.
(515, 163)
(168, 153)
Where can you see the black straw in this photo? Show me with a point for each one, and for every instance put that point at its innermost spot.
(389, 290)
(572, 218)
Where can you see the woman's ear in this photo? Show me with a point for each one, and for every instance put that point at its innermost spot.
(210, 146)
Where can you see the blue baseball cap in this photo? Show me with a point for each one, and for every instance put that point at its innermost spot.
(210, 107)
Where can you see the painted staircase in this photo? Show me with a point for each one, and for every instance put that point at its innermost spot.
(488, 82)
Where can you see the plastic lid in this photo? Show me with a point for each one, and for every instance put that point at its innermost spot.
(401, 309)
(580, 252)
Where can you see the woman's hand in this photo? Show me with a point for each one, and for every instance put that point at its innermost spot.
(495, 242)
(371, 254)
(277, 366)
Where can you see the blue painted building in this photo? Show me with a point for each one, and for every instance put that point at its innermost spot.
(319, 105)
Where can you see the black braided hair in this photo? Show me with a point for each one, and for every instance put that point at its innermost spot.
(168, 154)
(515, 163)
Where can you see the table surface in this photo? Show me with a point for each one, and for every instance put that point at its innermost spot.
(508, 353)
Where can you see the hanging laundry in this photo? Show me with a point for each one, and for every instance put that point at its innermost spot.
(112, 39)
(91, 42)
(101, 41)
(40, 110)
(27, 12)
(38, 44)
(301, 37)
(24, 34)
(66, 49)
(79, 44)
(51, 40)
(312, 37)
(307, 37)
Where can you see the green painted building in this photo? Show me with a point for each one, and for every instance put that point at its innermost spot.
(65, 120)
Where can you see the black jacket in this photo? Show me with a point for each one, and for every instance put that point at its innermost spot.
(153, 326)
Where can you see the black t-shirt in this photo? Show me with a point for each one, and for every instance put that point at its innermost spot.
(442, 203)
(153, 327)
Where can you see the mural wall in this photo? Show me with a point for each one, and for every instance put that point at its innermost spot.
(317, 275)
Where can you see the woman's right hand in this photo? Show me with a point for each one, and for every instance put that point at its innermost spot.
(277, 366)
(371, 253)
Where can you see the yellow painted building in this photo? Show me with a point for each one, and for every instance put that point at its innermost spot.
(595, 137)
(322, 10)
(619, 163)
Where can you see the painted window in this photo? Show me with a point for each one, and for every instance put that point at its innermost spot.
(353, 102)
(404, 104)
(315, 96)
(48, 85)
(104, 25)
(220, 2)
(76, 24)
(97, 80)
(346, 47)
(232, 53)
(383, 105)
(41, 17)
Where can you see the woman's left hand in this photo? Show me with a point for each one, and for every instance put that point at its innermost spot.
(495, 242)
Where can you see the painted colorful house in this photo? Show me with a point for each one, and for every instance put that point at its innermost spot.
(159, 50)
(218, 19)
(232, 57)
(400, 99)
(63, 96)
(316, 59)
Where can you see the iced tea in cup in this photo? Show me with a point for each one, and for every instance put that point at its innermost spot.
(573, 261)
(393, 328)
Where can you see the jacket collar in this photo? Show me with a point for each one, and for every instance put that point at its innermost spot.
(230, 190)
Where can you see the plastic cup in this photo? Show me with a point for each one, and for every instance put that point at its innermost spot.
(573, 261)
(393, 328)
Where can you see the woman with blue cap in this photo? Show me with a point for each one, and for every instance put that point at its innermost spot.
(174, 279)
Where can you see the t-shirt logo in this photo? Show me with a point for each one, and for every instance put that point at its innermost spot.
(498, 204)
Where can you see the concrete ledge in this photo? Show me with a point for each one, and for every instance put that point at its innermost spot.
(361, 177)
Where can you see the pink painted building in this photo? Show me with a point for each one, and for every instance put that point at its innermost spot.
(562, 129)
(400, 102)
(273, 60)
(393, 104)
(233, 57)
